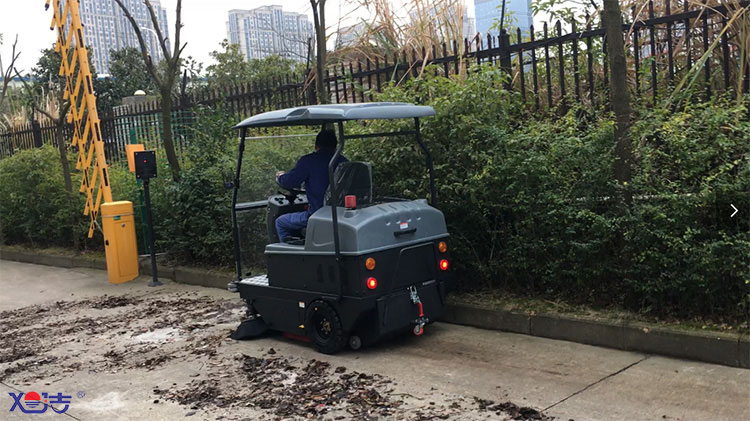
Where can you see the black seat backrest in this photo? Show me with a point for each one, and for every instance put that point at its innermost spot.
(352, 178)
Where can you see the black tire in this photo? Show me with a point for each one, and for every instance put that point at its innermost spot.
(324, 328)
(355, 342)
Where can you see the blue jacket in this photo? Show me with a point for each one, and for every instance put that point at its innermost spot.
(312, 170)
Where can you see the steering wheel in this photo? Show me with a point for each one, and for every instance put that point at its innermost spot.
(291, 194)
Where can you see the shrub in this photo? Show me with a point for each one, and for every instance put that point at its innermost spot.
(34, 206)
(529, 202)
(688, 255)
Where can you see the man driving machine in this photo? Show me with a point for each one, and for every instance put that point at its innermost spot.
(312, 171)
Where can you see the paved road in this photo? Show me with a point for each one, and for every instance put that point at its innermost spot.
(448, 368)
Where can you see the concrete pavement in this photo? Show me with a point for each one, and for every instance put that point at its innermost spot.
(448, 364)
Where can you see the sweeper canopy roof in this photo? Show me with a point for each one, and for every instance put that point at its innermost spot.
(331, 113)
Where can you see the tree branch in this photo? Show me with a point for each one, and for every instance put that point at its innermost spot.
(159, 35)
(288, 38)
(177, 30)
(9, 71)
(46, 114)
(64, 106)
(150, 66)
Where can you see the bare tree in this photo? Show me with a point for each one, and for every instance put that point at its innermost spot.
(7, 73)
(165, 80)
(319, 18)
(619, 95)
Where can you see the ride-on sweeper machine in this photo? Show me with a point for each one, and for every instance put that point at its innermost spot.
(365, 267)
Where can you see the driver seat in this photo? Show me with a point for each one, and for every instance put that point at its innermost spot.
(352, 178)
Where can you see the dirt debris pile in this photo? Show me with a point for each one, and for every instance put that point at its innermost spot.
(112, 301)
(288, 389)
(29, 336)
(312, 389)
(510, 409)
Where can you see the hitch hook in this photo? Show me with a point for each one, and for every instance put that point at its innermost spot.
(421, 320)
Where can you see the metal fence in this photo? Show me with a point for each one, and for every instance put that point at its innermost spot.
(561, 65)
(553, 68)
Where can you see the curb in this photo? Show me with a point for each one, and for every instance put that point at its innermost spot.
(717, 348)
(185, 275)
(38, 258)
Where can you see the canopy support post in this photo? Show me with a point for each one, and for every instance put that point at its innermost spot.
(427, 153)
(235, 227)
(334, 213)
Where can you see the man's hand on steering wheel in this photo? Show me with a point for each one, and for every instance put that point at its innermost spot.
(293, 192)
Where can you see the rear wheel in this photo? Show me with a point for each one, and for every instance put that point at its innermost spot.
(324, 328)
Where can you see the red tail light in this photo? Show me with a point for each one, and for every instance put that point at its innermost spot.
(372, 283)
(444, 264)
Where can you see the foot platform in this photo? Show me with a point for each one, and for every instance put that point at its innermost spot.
(258, 280)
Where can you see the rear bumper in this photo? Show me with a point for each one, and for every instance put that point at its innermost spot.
(397, 311)
(369, 317)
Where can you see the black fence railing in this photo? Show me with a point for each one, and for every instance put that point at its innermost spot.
(552, 68)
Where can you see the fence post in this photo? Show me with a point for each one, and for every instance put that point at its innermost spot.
(311, 94)
(37, 132)
(505, 65)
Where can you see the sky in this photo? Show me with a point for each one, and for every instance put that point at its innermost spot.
(204, 23)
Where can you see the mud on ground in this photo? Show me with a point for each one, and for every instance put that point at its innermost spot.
(132, 333)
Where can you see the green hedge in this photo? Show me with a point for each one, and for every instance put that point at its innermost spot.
(529, 201)
(34, 206)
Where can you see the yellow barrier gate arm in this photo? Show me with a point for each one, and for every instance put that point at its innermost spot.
(118, 225)
(79, 90)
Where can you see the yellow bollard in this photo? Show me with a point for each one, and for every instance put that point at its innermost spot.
(120, 245)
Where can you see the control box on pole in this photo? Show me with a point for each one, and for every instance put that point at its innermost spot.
(145, 170)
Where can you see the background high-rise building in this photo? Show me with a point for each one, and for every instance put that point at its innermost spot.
(107, 29)
(269, 30)
(517, 13)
